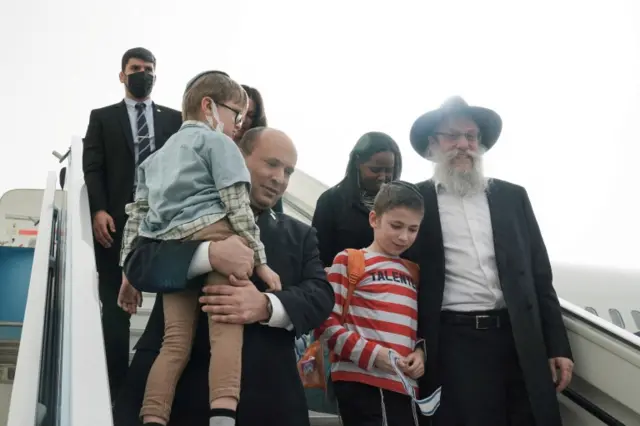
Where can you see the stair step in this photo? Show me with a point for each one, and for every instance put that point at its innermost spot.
(9, 351)
(7, 373)
(148, 299)
(139, 320)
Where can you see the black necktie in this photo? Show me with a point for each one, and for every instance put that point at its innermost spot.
(143, 139)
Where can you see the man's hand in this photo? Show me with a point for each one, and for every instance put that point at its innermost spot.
(103, 227)
(129, 299)
(231, 257)
(238, 303)
(565, 365)
(414, 364)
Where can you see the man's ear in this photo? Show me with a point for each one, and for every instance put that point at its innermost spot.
(123, 77)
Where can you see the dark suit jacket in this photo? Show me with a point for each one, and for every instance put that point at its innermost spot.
(526, 280)
(278, 208)
(272, 393)
(108, 156)
(342, 222)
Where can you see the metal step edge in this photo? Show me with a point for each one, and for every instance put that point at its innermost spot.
(143, 312)
(7, 373)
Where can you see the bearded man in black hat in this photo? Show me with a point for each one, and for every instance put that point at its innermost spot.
(496, 342)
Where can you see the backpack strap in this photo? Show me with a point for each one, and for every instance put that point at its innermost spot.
(355, 271)
(414, 270)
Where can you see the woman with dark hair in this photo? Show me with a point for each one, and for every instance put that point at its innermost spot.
(255, 117)
(341, 217)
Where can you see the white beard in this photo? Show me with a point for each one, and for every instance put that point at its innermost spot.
(459, 182)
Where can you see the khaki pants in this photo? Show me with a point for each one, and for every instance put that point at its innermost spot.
(181, 314)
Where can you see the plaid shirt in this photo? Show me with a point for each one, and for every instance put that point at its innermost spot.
(237, 210)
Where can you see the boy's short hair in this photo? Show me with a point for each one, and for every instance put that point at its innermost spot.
(398, 194)
(216, 85)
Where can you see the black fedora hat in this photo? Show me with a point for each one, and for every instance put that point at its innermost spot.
(488, 121)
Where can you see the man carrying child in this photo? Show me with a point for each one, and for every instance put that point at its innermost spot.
(197, 188)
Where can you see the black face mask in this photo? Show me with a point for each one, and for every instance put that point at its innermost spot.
(140, 84)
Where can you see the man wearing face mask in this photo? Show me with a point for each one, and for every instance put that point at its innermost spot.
(120, 137)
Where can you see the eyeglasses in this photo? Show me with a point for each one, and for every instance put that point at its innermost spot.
(455, 136)
(239, 115)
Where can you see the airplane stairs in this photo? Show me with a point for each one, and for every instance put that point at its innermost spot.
(59, 373)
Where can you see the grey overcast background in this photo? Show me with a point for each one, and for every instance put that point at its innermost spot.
(563, 74)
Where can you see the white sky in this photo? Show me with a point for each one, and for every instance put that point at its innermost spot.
(564, 75)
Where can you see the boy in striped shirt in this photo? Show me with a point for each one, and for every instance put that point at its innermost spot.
(382, 316)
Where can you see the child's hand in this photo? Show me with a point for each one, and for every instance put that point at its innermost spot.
(129, 299)
(413, 365)
(384, 363)
(270, 278)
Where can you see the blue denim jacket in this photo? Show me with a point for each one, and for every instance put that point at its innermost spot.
(181, 180)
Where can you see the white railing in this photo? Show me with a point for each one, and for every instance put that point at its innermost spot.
(302, 195)
(85, 386)
(611, 328)
(607, 366)
(24, 395)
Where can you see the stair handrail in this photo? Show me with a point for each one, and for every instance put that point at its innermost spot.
(620, 334)
(85, 385)
(607, 367)
(24, 395)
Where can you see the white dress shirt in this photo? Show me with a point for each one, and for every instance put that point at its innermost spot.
(471, 272)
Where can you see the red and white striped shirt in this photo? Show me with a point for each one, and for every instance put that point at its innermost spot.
(383, 312)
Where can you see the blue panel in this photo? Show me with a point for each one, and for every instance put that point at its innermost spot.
(10, 333)
(15, 273)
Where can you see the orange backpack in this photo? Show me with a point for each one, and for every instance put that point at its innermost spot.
(311, 366)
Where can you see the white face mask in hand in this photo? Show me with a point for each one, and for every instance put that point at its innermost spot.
(219, 127)
(428, 405)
